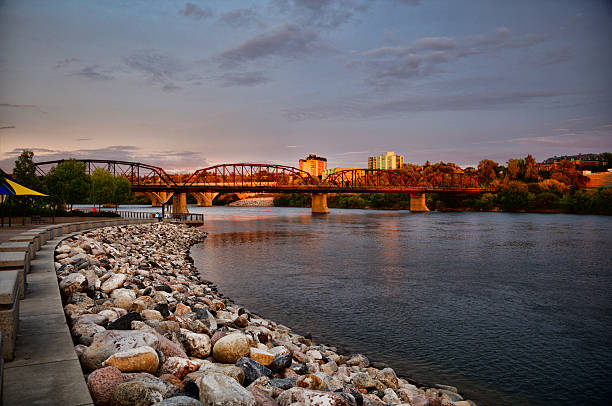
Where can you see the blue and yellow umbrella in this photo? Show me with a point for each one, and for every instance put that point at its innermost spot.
(8, 186)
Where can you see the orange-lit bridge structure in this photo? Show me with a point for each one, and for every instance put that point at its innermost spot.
(243, 178)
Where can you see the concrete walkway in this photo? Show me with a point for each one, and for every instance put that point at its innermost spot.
(46, 369)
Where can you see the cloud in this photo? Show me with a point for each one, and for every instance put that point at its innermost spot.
(160, 69)
(326, 14)
(83, 139)
(243, 79)
(171, 161)
(409, 2)
(239, 17)
(8, 127)
(417, 103)
(552, 57)
(24, 106)
(288, 41)
(91, 72)
(195, 11)
(385, 66)
(65, 62)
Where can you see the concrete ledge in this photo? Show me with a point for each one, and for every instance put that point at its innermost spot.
(33, 239)
(16, 261)
(9, 312)
(18, 246)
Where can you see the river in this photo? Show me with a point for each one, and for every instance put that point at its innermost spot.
(514, 309)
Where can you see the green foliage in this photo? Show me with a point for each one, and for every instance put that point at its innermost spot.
(123, 190)
(67, 183)
(25, 171)
(293, 200)
(514, 196)
(545, 200)
(487, 201)
(583, 202)
(487, 169)
(102, 186)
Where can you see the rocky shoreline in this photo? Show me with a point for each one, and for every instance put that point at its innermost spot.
(148, 331)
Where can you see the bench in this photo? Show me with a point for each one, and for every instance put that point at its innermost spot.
(16, 261)
(9, 312)
(18, 246)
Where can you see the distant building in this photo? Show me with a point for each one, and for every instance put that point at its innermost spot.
(331, 171)
(314, 165)
(578, 160)
(388, 160)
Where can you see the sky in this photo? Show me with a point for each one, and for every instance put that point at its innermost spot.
(187, 85)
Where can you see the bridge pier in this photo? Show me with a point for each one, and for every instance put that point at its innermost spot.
(204, 198)
(319, 203)
(417, 202)
(179, 203)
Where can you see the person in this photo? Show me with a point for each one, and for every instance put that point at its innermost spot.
(158, 216)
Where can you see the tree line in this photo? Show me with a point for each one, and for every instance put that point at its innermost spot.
(523, 186)
(67, 184)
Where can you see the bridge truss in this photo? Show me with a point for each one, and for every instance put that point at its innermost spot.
(247, 177)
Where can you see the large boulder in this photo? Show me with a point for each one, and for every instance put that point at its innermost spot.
(136, 393)
(231, 348)
(102, 383)
(221, 390)
(140, 359)
(252, 370)
(114, 282)
(109, 342)
(179, 367)
(197, 345)
(179, 401)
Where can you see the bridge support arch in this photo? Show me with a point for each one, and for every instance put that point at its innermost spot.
(204, 199)
(319, 203)
(417, 202)
(179, 203)
(157, 198)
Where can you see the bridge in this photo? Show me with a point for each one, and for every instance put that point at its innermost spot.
(243, 178)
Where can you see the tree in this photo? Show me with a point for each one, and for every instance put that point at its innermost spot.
(25, 170)
(567, 173)
(102, 186)
(515, 168)
(487, 169)
(514, 196)
(607, 156)
(67, 183)
(531, 169)
(122, 190)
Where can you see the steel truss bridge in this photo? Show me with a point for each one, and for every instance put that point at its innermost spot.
(267, 178)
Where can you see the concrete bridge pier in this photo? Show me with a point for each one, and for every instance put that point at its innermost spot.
(417, 202)
(319, 203)
(204, 198)
(179, 203)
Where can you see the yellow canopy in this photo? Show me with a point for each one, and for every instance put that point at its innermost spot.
(22, 190)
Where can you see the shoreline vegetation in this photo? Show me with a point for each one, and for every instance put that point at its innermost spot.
(148, 330)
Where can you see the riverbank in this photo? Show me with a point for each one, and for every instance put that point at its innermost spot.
(147, 328)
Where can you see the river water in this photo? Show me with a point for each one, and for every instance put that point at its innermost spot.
(514, 309)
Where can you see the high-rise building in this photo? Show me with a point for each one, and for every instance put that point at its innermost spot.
(388, 160)
(314, 165)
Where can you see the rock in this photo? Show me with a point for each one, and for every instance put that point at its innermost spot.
(358, 360)
(363, 381)
(286, 383)
(264, 357)
(454, 396)
(179, 401)
(81, 299)
(141, 359)
(388, 377)
(373, 400)
(261, 397)
(329, 368)
(252, 370)
(90, 318)
(230, 370)
(110, 342)
(84, 332)
(446, 387)
(123, 298)
(219, 334)
(162, 308)
(314, 398)
(74, 282)
(181, 309)
(165, 388)
(314, 355)
(241, 321)
(221, 390)
(310, 381)
(136, 393)
(231, 348)
(171, 379)
(142, 303)
(124, 322)
(114, 282)
(197, 345)
(148, 314)
(179, 367)
(390, 397)
(102, 383)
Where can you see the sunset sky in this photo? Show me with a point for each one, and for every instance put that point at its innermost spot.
(186, 85)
